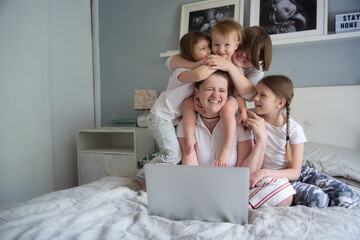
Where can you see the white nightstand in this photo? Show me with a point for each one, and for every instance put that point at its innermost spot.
(111, 151)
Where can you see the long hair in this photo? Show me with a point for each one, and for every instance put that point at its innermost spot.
(188, 41)
(283, 88)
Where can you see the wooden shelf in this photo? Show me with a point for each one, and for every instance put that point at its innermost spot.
(297, 41)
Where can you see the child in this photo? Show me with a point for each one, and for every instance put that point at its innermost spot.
(282, 16)
(284, 154)
(253, 57)
(164, 115)
(226, 37)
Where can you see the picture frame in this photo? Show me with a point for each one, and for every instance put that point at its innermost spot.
(308, 19)
(204, 15)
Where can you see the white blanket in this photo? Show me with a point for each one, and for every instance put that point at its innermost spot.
(115, 208)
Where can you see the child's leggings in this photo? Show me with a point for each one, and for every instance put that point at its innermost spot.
(316, 189)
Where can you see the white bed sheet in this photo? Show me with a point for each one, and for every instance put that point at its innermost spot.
(116, 208)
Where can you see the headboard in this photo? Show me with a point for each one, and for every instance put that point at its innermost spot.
(329, 115)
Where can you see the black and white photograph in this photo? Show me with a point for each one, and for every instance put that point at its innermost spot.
(284, 16)
(205, 20)
(285, 19)
(204, 15)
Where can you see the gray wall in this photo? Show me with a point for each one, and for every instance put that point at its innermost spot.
(134, 32)
(46, 94)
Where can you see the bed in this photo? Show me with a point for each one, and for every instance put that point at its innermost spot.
(116, 207)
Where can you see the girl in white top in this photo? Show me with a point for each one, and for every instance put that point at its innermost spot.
(283, 157)
(166, 111)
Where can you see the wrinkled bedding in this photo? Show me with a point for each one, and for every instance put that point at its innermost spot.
(116, 208)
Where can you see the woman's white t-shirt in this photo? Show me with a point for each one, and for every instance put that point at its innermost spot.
(208, 147)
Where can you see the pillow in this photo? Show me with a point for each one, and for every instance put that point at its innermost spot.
(333, 160)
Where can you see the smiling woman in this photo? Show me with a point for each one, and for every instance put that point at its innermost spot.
(213, 94)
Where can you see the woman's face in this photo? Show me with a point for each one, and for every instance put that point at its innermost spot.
(212, 94)
(285, 10)
(202, 49)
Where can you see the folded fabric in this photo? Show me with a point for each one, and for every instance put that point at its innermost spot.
(270, 191)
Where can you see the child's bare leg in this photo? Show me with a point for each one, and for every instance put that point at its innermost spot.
(187, 159)
(227, 115)
(286, 202)
(189, 118)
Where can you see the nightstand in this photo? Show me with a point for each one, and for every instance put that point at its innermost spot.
(111, 151)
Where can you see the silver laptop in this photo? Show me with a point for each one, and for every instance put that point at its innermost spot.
(211, 194)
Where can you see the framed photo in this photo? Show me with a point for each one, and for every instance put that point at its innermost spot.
(204, 15)
(289, 19)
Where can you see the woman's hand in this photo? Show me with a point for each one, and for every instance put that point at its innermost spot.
(257, 125)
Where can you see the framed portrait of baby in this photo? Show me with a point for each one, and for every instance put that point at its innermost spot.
(204, 15)
(286, 20)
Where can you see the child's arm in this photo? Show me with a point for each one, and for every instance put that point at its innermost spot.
(177, 61)
(189, 118)
(195, 75)
(241, 83)
(243, 111)
(292, 173)
(255, 159)
(227, 115)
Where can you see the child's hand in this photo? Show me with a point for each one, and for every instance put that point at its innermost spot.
(242, 118)
(198, 107)
(257, 125)
(215, 62)
(256, 177)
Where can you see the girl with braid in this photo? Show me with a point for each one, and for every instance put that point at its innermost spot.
(284, 155)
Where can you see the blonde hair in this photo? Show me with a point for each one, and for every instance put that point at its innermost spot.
(283, 88)
(227, 27)
(188, 41)
(257, 43)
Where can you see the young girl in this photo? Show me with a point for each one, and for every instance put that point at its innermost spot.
(166, 111)
(284, 154)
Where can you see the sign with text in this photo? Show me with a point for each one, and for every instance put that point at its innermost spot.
(347, 22)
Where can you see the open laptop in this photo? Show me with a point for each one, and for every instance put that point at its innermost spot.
(204, 193)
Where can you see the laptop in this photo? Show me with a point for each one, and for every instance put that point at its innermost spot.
(204, 193)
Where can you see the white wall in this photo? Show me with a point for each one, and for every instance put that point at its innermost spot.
(45, 94)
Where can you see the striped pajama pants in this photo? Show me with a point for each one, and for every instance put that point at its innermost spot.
(316, 189)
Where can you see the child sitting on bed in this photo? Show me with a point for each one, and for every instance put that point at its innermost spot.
(284, 154)
(164, 115)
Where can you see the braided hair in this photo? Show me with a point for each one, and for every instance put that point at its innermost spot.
(282, 87)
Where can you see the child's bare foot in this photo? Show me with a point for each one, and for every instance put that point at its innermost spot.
(219, 163)
(223, 158)
(142, 185)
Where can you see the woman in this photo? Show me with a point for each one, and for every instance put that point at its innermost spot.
(213, 94)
